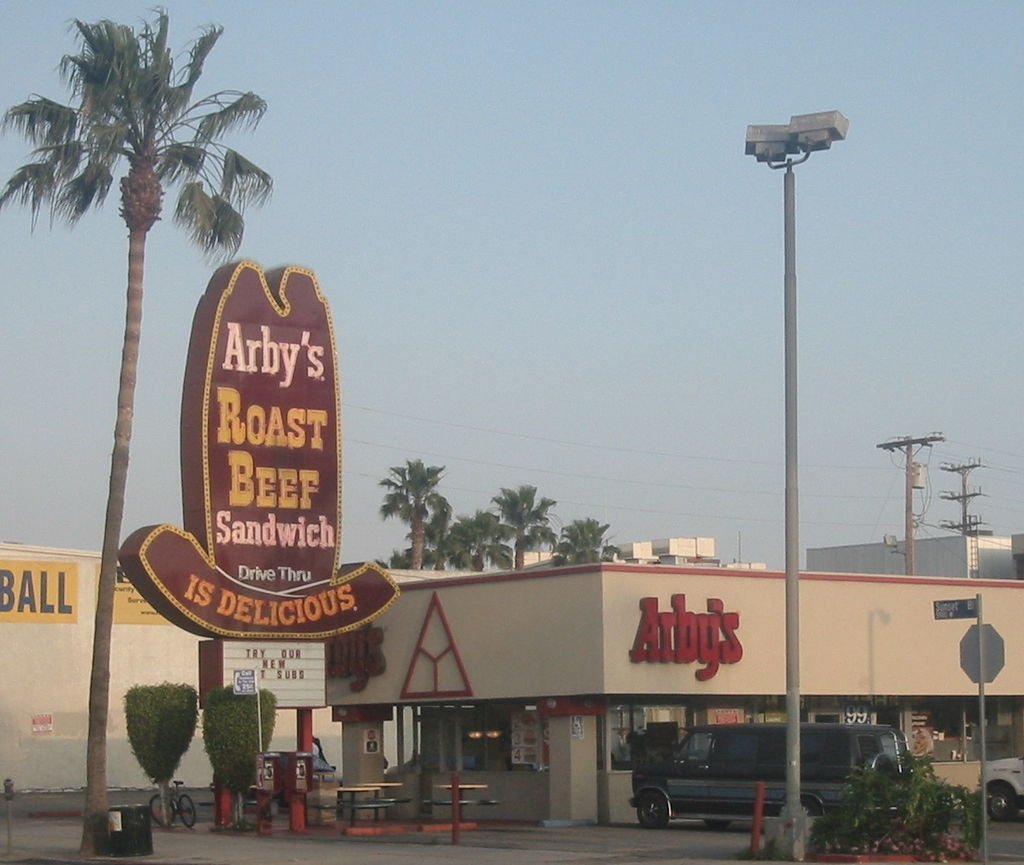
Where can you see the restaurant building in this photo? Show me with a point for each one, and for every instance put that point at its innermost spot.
(544, 685)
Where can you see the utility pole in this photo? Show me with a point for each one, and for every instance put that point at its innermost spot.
(969, 524)
(910, 445)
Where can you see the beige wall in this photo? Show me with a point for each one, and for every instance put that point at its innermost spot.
(551, 633)
(567, 632)
(46, 676)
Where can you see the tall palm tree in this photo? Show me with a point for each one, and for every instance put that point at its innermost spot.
(412, 496)
(479, 540)
(528, 518)
(437, 537)
(131, 110)
(583, 542)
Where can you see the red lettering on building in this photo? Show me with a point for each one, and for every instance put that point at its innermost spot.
(356, 655)
(685, 637)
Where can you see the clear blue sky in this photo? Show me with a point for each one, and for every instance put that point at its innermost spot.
(549, 261)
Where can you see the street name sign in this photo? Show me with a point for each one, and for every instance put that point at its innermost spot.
(961, 608)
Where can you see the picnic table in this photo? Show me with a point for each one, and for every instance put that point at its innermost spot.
(348, 798)
(457, 799)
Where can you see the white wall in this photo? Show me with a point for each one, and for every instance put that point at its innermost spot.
(45, 693)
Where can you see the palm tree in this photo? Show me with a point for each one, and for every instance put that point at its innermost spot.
(478, 540)
(412, 496)
(437, 537)
(583, 542)
(399, 561)
(528, 519)
(132, 109)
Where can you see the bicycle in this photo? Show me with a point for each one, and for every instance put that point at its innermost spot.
(178, 805)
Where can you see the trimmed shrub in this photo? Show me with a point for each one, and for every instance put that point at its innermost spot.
(161, 721)
(915, 814)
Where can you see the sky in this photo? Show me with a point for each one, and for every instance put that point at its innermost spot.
(549, 262)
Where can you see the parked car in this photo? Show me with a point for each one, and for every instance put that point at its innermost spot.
(1005, 787)
(714, 772)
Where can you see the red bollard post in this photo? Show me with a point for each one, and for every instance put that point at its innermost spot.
(755, 828)
(297, 812)
(223, 803)
(456, 807)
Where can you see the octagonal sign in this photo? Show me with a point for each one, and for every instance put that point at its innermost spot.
(995, 653)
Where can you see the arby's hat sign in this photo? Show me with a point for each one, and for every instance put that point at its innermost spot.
(261, 473)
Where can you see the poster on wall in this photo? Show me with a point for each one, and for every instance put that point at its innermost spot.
(258, 555)
(44, 593)
(42, 724)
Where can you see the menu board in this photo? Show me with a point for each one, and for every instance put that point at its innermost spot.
(529, 739)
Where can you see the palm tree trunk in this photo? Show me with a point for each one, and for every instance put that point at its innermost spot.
(418, 535)
(95, 836)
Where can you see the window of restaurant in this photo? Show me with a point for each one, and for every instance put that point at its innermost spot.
(483, 737)
(946, 728)
(636, 733)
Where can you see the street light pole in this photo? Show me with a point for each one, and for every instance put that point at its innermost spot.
(793, 809)
(775, 145)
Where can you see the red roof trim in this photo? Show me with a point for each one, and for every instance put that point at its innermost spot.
(673, 570)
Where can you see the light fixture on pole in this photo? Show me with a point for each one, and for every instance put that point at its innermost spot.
(783, 146)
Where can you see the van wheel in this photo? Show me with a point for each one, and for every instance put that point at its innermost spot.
(652, 811)
(813, 807)
(1002, 802)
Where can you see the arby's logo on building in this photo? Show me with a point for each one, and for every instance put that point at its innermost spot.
(682, 636)
(258, 555)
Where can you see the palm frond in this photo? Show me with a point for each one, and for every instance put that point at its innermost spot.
(245, 110)
(31, 185)
(200, 50)
(243, 181)
(180, 162)
(42, 121)
(87, 189)
(213, 224)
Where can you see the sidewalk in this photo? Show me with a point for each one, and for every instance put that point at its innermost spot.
(45, 828)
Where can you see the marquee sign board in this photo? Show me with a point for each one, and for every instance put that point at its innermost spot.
(258, 556)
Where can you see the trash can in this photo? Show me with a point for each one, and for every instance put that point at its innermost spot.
(130, 830)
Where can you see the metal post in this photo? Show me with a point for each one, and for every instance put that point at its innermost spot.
(982, 723)
(259, 719)
(793, 811)
(456, 807)
(909, 528)
(774, 145)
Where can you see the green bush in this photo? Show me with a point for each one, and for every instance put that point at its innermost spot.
(231, 738)
(161, 721)
(914, 814)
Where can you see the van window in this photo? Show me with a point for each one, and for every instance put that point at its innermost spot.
(696, 748)
(735, 754)
(869, 749)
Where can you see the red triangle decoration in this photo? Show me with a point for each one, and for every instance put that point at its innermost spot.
(436, 669)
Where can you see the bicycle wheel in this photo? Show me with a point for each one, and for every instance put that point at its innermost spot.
(156, 810)
(187, 810)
